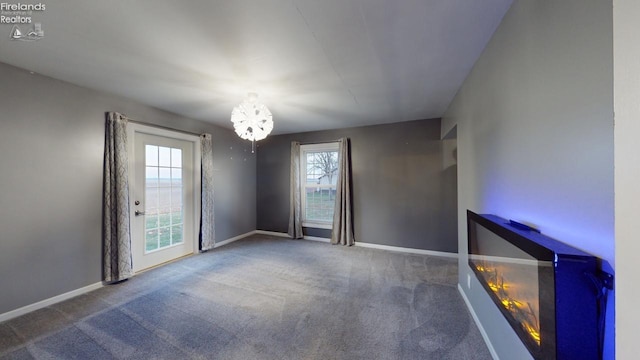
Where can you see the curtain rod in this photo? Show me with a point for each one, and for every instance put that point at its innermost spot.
(163, 127)
(319, 142)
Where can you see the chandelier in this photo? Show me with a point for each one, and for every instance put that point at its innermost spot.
(252, 120)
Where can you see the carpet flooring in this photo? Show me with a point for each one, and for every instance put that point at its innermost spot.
(262, 298)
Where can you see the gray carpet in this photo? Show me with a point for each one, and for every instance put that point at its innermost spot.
(262, 298)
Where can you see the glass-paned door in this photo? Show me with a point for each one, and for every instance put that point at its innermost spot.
(163, 201)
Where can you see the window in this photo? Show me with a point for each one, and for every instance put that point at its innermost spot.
(319, 176)
(163, 197)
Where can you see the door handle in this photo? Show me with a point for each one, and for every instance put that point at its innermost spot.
(138, 213)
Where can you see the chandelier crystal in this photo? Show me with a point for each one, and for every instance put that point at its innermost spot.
(252, 120)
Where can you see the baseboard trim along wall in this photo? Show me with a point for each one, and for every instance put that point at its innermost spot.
(285, 235)
(369, 245)
(47, 302)
(315, 238)
(73, 293)
(494, 355)
(235, 238)
(279, 234)
(272, 233)
(407, 250)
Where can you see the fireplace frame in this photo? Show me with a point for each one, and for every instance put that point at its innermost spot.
(568, 307)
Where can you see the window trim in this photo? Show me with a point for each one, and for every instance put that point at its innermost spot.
(328, 146)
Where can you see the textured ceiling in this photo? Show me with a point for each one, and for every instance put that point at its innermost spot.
(317, 64)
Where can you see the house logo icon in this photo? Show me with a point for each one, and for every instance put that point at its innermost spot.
(35, 33)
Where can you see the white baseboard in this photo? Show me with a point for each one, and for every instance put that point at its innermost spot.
(483, 332)
(315, 238)
(369, 245)
(279, 234)
(47, 302)
(272, 233)
(235, 238)
(407, 250)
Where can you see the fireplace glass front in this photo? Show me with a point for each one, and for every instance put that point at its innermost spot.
(512, 278)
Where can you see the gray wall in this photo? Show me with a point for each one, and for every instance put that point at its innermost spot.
(535, 136)
(404, 184)
(51, 156)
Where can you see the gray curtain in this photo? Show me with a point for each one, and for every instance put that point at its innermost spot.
(295, 208)
(116, 235)
(342, 232)
(207, 229)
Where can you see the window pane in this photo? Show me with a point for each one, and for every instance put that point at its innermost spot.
(164, 154)
(164, 177)
(164, 198)
(165, 236)
(176, 177)
(176, 158)
(176, 197)
(151, 175)
(319, 203)
(164, 219)
(151, 199)
(176, 234)
(151, 240)
(151, 221)
(176, 217)
(151, 155)
(322, 167)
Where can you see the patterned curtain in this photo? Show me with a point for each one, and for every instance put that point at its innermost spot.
(115, 222)
(207, 229)
(295, 208)
(342, 232)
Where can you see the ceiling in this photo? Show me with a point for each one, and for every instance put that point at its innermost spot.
(317, 64)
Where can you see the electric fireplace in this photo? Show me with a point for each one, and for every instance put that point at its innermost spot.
(545, 289)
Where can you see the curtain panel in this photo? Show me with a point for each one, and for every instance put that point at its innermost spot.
(295, 204)
(117, 261)
(207, 223)
(342, 232)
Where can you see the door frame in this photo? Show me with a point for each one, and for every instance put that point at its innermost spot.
(135, 128)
